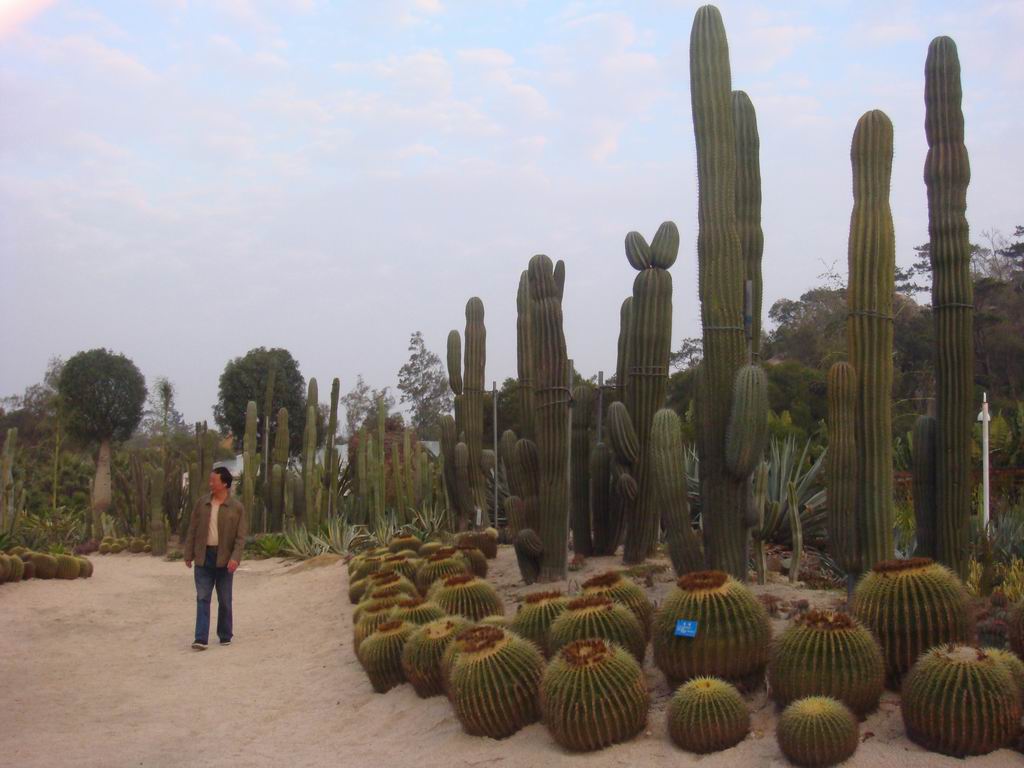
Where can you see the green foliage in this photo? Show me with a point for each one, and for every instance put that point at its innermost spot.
(423, 385)
(787, 465)
(104, 394)
(817, 732)
(61, 527)
(271, 545)
(707, 715)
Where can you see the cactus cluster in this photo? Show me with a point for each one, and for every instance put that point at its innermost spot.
(442, 564)
(597, 616)
(535, 616)
(423, 651)
(707, 714)
(466, 595)
(381, 654)
(817, 732)
(624, 592)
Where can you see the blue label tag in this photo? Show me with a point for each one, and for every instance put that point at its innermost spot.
(686, 628)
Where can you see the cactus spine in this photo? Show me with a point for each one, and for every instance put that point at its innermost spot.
(721, 277)
(582, 413)
(872, 253)
(947, 172)
(841, 466)
(925, 484)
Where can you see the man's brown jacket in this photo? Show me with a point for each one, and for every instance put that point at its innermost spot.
(232, 526)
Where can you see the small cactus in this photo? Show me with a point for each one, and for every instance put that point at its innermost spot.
(826, 653)
(468, 596)
(401, 563)
(416, 610)
(45, 565)
(381, 654)
(421, 657)
(398, 543)
(817, 732)
(430, 548)
(67, 567)
(707, 715)
(381, 580)
(372, 618)
(443, 563)
(475, 559)
(960, 701)
(535, 616)
(593, 694)
(597, 616)
(84, 568)
(624, 592)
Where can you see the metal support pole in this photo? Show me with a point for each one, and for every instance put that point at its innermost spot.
(984, 418)
(497, 458)
(600, 404)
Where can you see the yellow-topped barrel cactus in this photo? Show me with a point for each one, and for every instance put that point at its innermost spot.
(381, 654)
(421, 657)
(443, 563)
(598, 616)
(468, 596)
(624, 592)
(535, 615)
(416, 610)
(817, 732)
(707, 714)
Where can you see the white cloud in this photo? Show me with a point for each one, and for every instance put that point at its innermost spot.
(417, 150)
(17, 13)
(487, 57)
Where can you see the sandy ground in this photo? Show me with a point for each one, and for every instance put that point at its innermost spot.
(99, 673)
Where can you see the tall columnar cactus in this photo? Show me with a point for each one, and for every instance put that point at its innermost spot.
(7, 496)
(604, 526)
(449, 439)
(747, 434)
(721, 272)
(582, 420)
(748, 206)
(707, 715)
(527, 467)
(667, 459)
(551, 366)
(841, 476)
(279, 471)
(157, 529)
(817, 732)
(872, 253)
(309, 467)
(924, 455)
(524, 357)
(332, 469)
(947, 172)
(249, 462)
(473, 392)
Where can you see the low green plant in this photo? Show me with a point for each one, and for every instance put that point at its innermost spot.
(300, 543)
(270, 545)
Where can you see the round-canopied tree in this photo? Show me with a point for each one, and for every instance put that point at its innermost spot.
(104, 394)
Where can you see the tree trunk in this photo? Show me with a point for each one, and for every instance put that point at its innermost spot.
(101, 489)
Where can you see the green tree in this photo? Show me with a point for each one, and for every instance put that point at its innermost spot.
(360, 404)
(245, 378)
(103, 394)
(424, 386)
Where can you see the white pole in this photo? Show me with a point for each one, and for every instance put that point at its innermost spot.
(984, 418)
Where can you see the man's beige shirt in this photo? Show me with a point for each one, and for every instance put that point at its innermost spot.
(212, 537)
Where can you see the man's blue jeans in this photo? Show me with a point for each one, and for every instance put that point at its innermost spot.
(208, 576)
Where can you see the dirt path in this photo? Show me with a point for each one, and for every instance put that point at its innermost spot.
(99, 673)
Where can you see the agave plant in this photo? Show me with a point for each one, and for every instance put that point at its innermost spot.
(299, 542)
(785, 466)
(430, 521)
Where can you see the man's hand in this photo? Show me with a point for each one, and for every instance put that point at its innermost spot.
(232, 566)
(188, 563)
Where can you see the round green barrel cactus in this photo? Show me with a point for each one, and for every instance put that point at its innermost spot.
(408, 541)
(381, 654)
(104, 548)
(67, 567)
(960, 700)
(733, 631)
(817, 732)
(116, 548)
(356, 590)
(371, 618)
(826, 653)
(1012, 664)
(382, 580)
(624, 592)
(443, 563)
(494, 680)
(475, 559)
(16, 569)
(30, 570)
(707, 715)
(135, 546)
(401, 563)
(366, 565)
(430, 548)
(495, 620)
(535, 615)
(84, 567)
(911, 606)
(416, 610)
(5, 568)
(466, 595)
(45, 565)
(598, 616)
(593, 694)
(389, 597)
(421, 657)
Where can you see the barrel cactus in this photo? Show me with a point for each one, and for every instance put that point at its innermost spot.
(466, 595)
(421, 657)
(535, 616)
(827, 653)
(817, 731)
(45, 565)
(30, 570)
(443, 563)
(400, 563)
(381, 654)
(84, 568)
(597, 616)
(475, 559)
(430, 548)
(136, 545)
(366, 566)
(104, 548)
(405, 541)
(382, 580)
(494, 680)
(911, 606)
(733, 631)
(624, 592)
(707, 714)
(372, 618)
(389, 596)
(593, 694)
(959, 700)
(1016, 629)
(416, 610)
(1012, 664)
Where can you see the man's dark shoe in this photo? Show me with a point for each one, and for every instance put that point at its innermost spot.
(225, 642)
(197, 646)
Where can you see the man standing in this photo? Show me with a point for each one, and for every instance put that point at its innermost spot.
(215, 540)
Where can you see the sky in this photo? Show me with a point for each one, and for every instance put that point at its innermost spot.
(182, 181)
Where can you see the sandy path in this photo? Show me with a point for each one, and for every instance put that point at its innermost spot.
(99, 673)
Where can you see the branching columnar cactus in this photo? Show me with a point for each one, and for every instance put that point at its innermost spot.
(552, 395)
(279, 471)
(924, 455)
(733, 631)
(494, 680)
(381, 654)
(624, 592)
(535, 616)
(707, 715)
(598, 616)
(748, 207)
(466, 595)
(747, 434)
(960, 701)
(593, 694)
(310, 478)
(911, 606)
(582, 424)
(817, 732)
(524, 357)
(825, 653)
(947, 172)
(872, 254)
(421, 657)
(332, 470)
(667, 460)
(841, 476)
(722, 272)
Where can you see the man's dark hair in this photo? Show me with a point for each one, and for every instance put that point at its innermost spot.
(225, 475)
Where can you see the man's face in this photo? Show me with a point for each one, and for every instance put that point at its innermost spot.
(216, 484)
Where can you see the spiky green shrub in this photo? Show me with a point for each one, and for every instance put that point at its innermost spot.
(381, 654)
(826, 653)
(535, 615)
(733, 631)
(421, 657)
(371, 618)
(466, 595)
(911, 606)
(707, 715)
(45, 565)
(624, 592)
(959, 700)
(84, 568)
(408, 541)
(475, 559)
(493, 683)
(416, 610)
(817, 731)
(443, 563)
(597, 616)
(593, 694)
